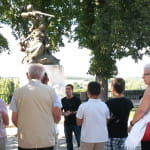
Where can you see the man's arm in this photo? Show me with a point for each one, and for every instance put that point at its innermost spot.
(14, 118)
(143, 107)
(56, 108)
(5, 118)
(13, 107)
(56, 114)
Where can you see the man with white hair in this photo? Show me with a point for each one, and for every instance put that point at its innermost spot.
(140, 119)
(34, 113)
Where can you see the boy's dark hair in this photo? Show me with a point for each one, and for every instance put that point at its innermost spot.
(119, 85)
(94, 88)
(45, 78)
(70, 86)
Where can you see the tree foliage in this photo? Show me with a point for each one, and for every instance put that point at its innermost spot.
(113, 29)
(3, 44)
(11, 10)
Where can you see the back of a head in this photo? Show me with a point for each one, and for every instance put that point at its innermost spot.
(147, 67)
(118, 85)
(94, 88)
(36, 71)
(45, 78)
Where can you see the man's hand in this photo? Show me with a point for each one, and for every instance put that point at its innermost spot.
(5, 118)
(67, 113)
(56, 114)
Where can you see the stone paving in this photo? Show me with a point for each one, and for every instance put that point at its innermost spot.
(12, 140)
(12, 144)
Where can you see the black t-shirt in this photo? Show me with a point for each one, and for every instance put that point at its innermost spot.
(119, 113)
(72, 105)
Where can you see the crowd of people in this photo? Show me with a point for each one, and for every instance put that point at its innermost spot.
(97, 125)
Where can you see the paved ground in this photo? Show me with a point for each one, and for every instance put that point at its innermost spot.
(12, 143)
(12, 140)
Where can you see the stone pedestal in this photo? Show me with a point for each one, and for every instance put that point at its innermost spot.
(56, 77)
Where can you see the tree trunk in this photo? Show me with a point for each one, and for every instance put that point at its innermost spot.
(104, 87)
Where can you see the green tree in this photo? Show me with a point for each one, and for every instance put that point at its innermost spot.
(113, 29)
(10, 13)
(3, 44)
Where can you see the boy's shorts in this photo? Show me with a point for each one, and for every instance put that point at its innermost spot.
(92, 146)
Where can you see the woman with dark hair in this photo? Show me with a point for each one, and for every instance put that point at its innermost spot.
(45, 79)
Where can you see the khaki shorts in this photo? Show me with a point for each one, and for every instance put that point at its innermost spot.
(3, 141)
(92, 146)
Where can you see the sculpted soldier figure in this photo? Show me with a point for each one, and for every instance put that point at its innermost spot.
(36, 45)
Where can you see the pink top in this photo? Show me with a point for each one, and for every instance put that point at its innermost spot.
(2, 126)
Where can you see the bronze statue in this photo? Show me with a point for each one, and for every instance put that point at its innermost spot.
(36, 45)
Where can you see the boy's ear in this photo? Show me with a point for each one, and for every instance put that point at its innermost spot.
(88, 94)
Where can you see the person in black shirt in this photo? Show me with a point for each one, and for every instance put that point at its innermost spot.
(120, 108)
(70, 105)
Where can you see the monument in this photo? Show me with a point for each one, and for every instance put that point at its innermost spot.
(37, 48)
(36, 45)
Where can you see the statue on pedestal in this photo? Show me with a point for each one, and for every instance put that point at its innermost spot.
(36, 45)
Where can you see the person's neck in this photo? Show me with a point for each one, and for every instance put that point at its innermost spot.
(69, 96)
(35, 80)
(94, 97)
(118, 95)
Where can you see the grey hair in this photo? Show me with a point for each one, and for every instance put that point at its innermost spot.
(36, 71)
(147, 67)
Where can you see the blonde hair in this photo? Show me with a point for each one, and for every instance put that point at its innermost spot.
(45, 78)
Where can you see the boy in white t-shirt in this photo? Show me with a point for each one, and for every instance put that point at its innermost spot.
(93, 115)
